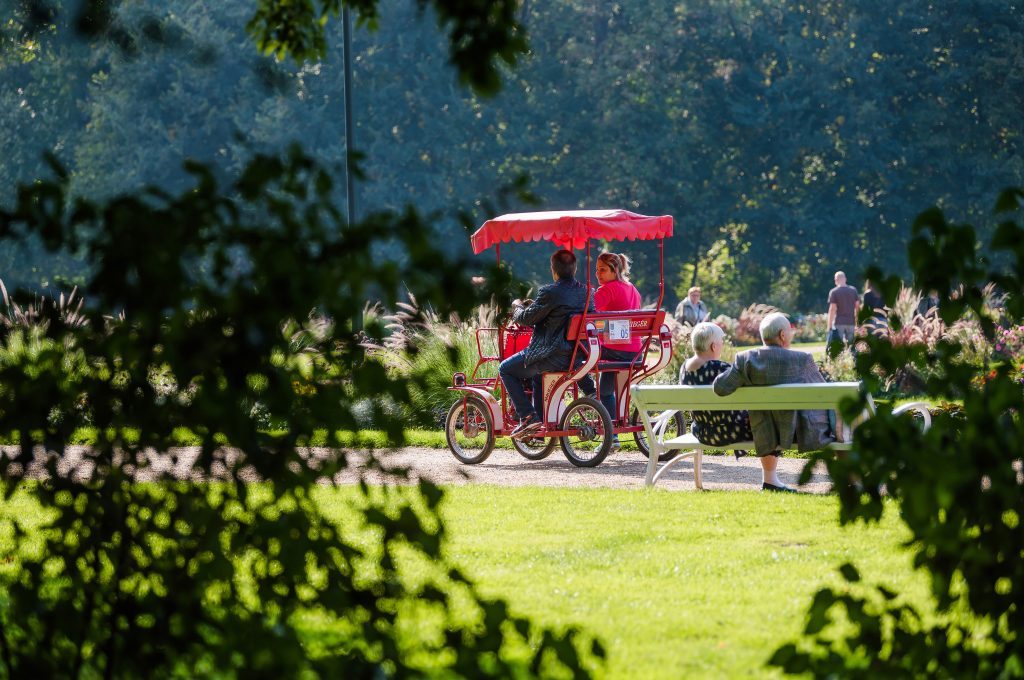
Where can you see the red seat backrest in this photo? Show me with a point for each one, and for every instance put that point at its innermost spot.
(642, 322)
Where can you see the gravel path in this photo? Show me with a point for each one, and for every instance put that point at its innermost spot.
(504, 467)
(623, 470)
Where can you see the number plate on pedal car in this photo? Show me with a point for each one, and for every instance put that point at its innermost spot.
(617, 330)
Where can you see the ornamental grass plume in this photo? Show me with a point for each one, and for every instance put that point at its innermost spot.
(907, 326)
(426, 350)
(41, 310)
(14, 314)
(748, 326)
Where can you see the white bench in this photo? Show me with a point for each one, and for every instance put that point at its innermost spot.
(657, 405)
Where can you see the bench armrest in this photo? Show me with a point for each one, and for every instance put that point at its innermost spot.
(919, 406)
(660, 423)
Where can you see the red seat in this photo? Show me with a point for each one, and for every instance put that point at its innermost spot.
(617, 365)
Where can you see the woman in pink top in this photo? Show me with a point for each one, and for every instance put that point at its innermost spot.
(615, 294)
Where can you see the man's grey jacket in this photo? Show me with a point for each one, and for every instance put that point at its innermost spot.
(774, 430)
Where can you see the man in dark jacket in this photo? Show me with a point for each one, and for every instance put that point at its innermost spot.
(549, 350)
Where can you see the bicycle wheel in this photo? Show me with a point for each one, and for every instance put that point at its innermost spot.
(676, 427)
(591, 432)
(535, 448)
(469, 431)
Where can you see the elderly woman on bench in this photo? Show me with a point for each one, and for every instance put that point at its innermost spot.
(777, 364)
(714, 428)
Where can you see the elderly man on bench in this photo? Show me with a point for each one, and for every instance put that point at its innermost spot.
(776, 364)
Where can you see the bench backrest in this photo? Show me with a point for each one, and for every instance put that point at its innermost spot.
(802, 396)
(642, 323)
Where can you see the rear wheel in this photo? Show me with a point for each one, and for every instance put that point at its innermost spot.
(590, 429)
(676, 427)
(535, 448)
(469, 430)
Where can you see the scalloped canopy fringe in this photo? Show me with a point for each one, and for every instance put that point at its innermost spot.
(571, 228)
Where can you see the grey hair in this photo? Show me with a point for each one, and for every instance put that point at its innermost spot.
(703, 335)
(772, 326)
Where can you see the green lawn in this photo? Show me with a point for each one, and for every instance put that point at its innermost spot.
(815, 349)
(674, 584)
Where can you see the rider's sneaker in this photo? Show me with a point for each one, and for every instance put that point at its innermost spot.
(526, 427)
(616, 446)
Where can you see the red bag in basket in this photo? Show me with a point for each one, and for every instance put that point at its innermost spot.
(516, 340)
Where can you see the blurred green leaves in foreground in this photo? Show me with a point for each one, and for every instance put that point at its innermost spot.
(217, 310)
(959, 486)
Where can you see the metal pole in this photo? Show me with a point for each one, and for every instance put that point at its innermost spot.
(661, 282)
(349, 127)
(350, 190)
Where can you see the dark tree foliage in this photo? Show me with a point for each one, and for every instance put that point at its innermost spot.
(789, 139)
(959, 487)
(479, 32)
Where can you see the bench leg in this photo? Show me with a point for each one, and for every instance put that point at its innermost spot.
(698, 476)
(678, 458)
(655, 448)
(652, 461)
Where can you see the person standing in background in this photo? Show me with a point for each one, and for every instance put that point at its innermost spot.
(929, 301)
(843, 303)
(873, 300)
(692, 310)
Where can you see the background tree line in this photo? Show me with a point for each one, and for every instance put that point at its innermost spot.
(788, 139)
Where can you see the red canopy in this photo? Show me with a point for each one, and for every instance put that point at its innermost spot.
(571, 228)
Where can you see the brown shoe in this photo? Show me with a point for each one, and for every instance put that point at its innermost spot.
(526, 427)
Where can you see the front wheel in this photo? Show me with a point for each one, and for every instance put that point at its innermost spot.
(676, 428)
(469, 430)
(590, 432)
(535, 448)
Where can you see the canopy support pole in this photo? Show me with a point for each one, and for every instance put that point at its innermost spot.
(661, 280)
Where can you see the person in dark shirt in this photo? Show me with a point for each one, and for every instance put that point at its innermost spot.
(929, 301)
(843, 303)
(873, 301)
(549, 350)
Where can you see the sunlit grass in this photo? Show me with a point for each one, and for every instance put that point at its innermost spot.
(675, 585)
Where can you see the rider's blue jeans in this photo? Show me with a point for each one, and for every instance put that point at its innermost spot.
(513, 370)
(607, 378)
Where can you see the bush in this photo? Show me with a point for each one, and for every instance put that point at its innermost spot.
(811, 328)
(840, 368)
(957, 486)
(426, 350)
(133, 568)
(1009, 343)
